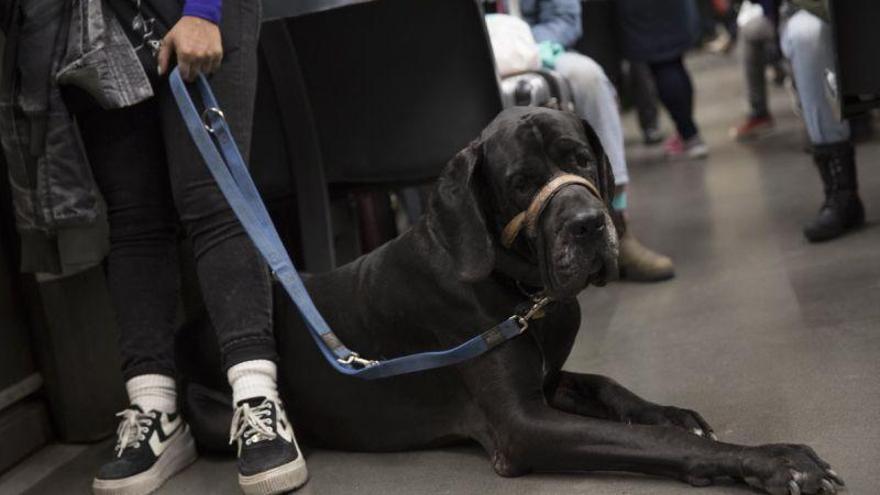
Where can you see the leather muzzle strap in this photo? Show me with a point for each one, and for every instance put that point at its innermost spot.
(529, 218)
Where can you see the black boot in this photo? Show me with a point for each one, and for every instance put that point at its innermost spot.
(842, 210)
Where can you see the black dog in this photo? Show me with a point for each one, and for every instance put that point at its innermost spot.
(450, 278)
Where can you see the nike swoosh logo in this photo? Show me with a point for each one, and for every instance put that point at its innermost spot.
(170, 427)
(160, 441)
(284, 428)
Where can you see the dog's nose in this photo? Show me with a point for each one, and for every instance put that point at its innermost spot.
(587, 224)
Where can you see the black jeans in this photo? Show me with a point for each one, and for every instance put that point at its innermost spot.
(150, 173)
(676, 91)
(644, 96)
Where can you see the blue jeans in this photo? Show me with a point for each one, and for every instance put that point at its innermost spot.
(595, 101)
(806, 42)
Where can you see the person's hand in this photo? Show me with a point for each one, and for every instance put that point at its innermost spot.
(196, 44)
(549, 51)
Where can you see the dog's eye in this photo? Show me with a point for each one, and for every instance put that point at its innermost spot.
(577, 159)
(522, 183)
(582, 158)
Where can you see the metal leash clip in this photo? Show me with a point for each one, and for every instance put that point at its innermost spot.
(355, 359)
(535, 311)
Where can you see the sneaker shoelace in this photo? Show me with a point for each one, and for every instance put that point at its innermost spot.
(132, 429)
(252, 424)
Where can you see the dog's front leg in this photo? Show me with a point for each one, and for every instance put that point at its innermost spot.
(523, 433)
(601, 397)
(540, 438)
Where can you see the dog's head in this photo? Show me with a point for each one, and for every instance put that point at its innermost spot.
(573, 242)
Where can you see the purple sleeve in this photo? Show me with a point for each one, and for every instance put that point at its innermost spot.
(206, 9)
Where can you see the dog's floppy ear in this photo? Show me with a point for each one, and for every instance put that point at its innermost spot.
(604, 173)
(456, 219)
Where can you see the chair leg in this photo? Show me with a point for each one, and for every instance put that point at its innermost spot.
(376, 219)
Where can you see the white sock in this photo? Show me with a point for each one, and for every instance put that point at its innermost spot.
(250, 379)
(150, 392)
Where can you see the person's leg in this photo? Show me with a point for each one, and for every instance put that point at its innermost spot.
(806, 42)
(234, 278)
(128, 162)
(729, 21)
(726, 14)
(644, 96)
(595, 101)
(677, 94)
(125, 150)
(756, 35)
(708, 24)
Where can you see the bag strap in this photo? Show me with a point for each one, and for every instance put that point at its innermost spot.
(214, 141)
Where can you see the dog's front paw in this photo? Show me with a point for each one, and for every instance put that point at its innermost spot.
(786, 469)
(672, 416)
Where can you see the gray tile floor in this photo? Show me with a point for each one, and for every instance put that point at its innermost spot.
(770, 338)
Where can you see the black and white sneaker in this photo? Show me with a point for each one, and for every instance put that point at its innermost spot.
(269, 460)
(150, 448)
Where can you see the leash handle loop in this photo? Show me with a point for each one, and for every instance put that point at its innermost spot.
(213, 138)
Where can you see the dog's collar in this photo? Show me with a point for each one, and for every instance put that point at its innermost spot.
(533, 295)
(528, 219)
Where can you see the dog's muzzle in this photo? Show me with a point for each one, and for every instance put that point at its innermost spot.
(529, 219)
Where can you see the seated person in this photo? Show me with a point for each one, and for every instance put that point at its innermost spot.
(806, 42)
(760, 49)
(556, 24)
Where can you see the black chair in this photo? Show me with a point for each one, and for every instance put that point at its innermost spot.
(377, 93)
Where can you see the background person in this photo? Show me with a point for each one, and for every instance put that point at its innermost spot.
(806, 42)
(760, 44)
(659, 34)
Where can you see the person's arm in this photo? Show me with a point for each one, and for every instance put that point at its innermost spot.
(194, 40)
(559, 21)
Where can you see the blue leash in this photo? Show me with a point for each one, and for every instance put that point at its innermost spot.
(217, 146)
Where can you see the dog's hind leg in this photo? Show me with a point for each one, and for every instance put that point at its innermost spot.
(601, 397)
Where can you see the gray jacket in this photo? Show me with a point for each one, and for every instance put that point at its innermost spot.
(59, 211)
